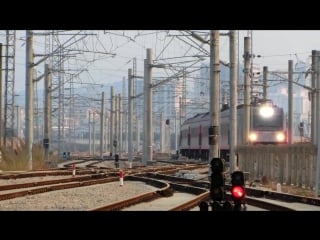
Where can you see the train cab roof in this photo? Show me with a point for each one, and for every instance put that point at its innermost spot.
(259, 101)
(197, 117)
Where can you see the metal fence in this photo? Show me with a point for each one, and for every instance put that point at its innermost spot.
(286, 164)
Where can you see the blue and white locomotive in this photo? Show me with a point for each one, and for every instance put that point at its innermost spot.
(267, 126)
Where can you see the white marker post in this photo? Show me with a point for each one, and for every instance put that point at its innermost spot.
(73, 170)
(121, 176)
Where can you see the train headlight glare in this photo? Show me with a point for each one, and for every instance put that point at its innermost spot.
(280, 137)
(253, 137)
(266, 111)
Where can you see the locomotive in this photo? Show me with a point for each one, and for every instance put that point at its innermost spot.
(267, 126)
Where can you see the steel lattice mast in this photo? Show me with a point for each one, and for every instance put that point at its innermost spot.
(57, 106)
(10, 50)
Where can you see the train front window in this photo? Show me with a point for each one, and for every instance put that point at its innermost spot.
(271, 123)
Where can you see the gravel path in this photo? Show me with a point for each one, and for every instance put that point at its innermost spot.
(162, 204)
(77, 199)
(4, 182)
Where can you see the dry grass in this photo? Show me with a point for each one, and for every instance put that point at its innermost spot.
(15, 159)
(293, 190)
(266, 183)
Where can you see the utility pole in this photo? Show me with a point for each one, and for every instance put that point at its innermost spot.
(138, 133)
(116, 123)
(145, 100)
(184, 96)
(111, 120)
(135, 118)
(148, 130)
(106, 127)
(313, 98)
(124, 124)
(317, 85)
(234, 69)
(175, 131)
(120, 125)
(18, 121)
(1, 137)
(265, 83)
(90, 152)
(130, 115)
(71, 130)
(167, 136)
(47, 112)
(94, 133)
(162, 134)
(102, 126)
(180, 112)
(36, 127)
(247, 88)
(214, 131)
(134, 92)
(290, 101)
(29, 97)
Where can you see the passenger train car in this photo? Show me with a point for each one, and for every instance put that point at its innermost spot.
(267, 126)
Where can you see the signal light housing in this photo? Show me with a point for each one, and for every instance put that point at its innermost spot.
(237, 178)
(204, 207)
(217, 179)
(238, 192)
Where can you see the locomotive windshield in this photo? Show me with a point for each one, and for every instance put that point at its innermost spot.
(274, 122)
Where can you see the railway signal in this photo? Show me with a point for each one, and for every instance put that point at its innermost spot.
(217, 182)
(237, 190)
(116, 160)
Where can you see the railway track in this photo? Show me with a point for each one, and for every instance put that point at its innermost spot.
(90, 174)
(32, 188)
(165, 190)
(84, 177)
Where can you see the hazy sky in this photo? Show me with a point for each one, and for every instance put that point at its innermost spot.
(275, 47)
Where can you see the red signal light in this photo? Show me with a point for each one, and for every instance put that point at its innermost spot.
(238, 192)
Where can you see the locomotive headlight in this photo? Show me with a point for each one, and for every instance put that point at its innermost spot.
(266, 111)
(253, 137)
(280, 137)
